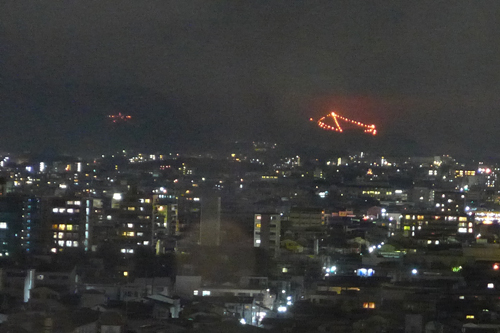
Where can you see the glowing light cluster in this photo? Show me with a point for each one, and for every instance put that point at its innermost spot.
(119, 117)
(337, 128)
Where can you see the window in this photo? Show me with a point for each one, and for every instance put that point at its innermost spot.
(69, 227)
(369, 305)
(62, 226)
(3, 225)
(69, 243)
(130, 225)
(205, 293)
(258, 225)
(60, 235)
(131, 208)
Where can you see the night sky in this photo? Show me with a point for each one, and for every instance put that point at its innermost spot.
(191, 71)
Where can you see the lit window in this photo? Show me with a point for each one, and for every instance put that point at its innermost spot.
(147, 200)
(75, 244)
(60, 235)
(70, 210)
(55, 235)
(140, 234)
(60, 243)
(54, 226)
(146, 242)
(77, 203)
(130, 225)
(258, 217)
(69, 227)
(205, 293)
(195, 292)
(462, 218)
(123, 251)
(108, 217)
(131, 208)
(55, 210)
(284, 270)
(62, 210)
(62, 226)
(257, 241)
(3, 225)
(369, 305)
(69, 243)
(258, 225)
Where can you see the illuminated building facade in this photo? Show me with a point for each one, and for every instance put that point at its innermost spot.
(65, 216)
(133, 218)
(165, 215)
(449, 202)
(20, 225)
(437, 228)
(267, 230)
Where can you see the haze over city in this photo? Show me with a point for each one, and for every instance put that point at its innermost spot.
(274, 166)
(198, 71)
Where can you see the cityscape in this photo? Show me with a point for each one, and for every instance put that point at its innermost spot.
(148, 242)
(193, 166)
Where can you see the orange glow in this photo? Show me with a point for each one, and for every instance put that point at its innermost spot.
(337, 128)
(119, 117)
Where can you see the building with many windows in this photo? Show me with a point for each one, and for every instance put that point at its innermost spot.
(437, 228)
(65, 216)
(132, 215)
(267, 229)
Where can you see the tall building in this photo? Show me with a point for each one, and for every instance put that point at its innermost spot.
(132, 217)
(267, 229)
(165, 223)
(20, 225)
(210, 220)
(65, 216)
